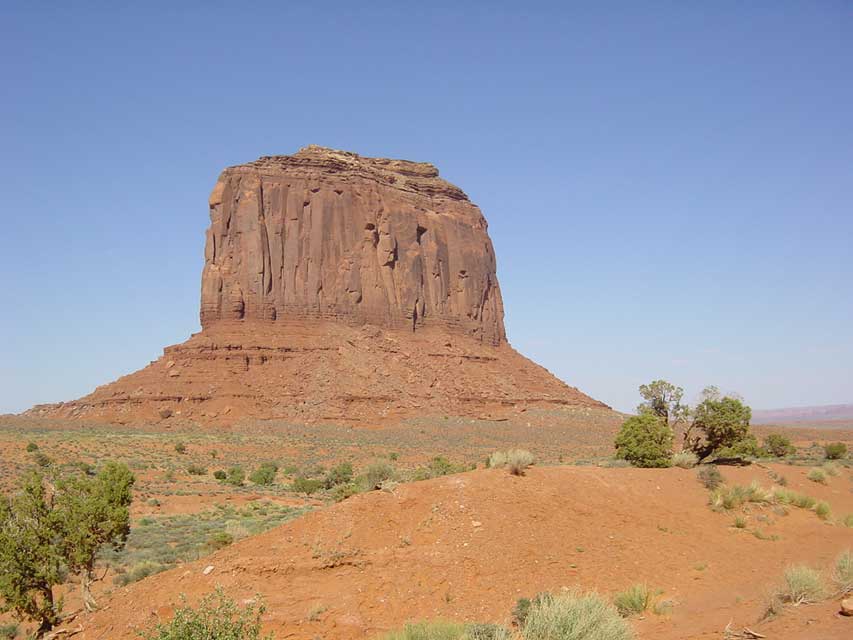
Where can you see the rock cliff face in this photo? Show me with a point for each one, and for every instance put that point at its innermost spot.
(337, 287)
(326, 234)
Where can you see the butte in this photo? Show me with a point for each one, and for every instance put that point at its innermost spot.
(337, 288)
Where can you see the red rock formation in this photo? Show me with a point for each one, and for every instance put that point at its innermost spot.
(337, 287)
(332, 235)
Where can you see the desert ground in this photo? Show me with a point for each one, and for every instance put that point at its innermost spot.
(450, 540)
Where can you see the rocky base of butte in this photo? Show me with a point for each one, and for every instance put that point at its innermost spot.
(342, 288)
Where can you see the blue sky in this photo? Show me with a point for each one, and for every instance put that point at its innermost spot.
(669, 185)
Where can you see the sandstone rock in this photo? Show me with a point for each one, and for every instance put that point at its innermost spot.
(334, 235)
(338, 288)
(165, 413)
(847, 607)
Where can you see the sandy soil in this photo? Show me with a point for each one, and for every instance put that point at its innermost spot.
(468, 546)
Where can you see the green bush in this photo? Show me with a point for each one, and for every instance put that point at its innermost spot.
(779, 446)
(264, 475)
(8, 631)
(710, 476)
(31, 447)
(645, 441)
(219, 540)
(633, 601)
(301, 484)
(835, 450)
(180, 447)
(746, 447)
(341, 492)
(235, 476)
(341, 474)
(216, 618)
(375, 475)
(220, 474)
(575, 615)
(196, 470)
(724, 425)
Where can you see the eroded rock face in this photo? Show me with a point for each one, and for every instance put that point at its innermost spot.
(332, 235)
(337, 288)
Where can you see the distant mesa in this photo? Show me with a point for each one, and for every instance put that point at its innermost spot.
(337, 287)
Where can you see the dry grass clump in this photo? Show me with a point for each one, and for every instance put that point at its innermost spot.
(443, 630)
(803, 585)
(633, 601)
(725, 498)
(823, 510)
(848, 520)
(575, 615)
(710, 476)
(515, 460)
(831, 469)
(842, 573)
(799, 500)
(685, 459)
(816, 474)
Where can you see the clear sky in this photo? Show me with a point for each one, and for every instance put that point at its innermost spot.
(669, 185)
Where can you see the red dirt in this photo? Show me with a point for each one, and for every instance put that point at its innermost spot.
(467, 546)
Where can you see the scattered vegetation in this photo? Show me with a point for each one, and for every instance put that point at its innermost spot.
(816, 474)
(633, 601)
(8, 631)
(685, 459)
(265, 474)
(196, 470)
(216, 618)
(835, 450)
(443, 630)
(180, 447)
(778, 445)
(725, 498)
(574, 615)
(340, 475)
(710, 476)
(645, 441)
(235, 476)
(308, 486)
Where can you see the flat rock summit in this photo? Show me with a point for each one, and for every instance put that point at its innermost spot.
(337, 287)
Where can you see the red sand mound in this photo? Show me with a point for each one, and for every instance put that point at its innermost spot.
(465, 547)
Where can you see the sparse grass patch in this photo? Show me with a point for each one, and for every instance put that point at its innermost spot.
(496, 460)
(831, 469)
(518, 460)
(710, 476)
(575, 615)
(802, 585)
(790, 497)
(725, 498)
(816, 474)
(685, 459)
(842, 573)
(633, 601)
(433, 630)
(823, 510)
(8, 631)
(196, 470)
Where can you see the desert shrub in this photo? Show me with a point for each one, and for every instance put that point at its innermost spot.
(823, 510)
(235, 476)
(778, 445)
(496, 460)
(725, 498)
(848, 520)
(41, 459)
(219, 540)
(740, 522)
(486, 631)
(375, 475)
(31, 447)
(802, 585)
(180, 447)
(139, 571)
(645, 441)
(746, 447)
(264, 475)
(831, 469)
(633, 601)
(816, 474)
(220, 474)
(301, 484)
(441, 466)
(842, 572)
(341, 492)
(216, 618)
(710, 476)
(433, 630)
(835, 450)
(723, 423)
(522, 608)
(197, 470)
(8, 631)
(518, 460)
(341, 474)
(574, 615)
(685, 459)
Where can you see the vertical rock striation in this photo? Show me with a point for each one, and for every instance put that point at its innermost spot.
(331, 235)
